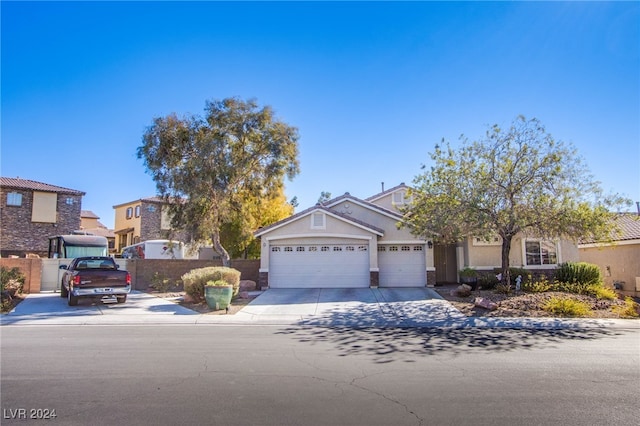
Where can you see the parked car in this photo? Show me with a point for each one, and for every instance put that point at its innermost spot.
(95, 277)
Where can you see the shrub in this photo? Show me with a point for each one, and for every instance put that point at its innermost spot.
(601, 292)
(539, 286)
(195, 280)
(573, 287)
(579, 272)
(11, 280)
(567, 307)
(487, 281)
(160, 282)
(629, 310)
(218, 283)
(503, 288)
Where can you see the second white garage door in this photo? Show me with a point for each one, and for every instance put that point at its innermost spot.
(319, 266)
(402, 265)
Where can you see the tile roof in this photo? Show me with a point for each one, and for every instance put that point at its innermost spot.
(33, 185)
(629, 226)
(89, 214)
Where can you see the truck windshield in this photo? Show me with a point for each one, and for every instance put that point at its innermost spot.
(80, 251)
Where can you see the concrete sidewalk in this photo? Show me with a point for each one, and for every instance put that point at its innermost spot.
(358, 308)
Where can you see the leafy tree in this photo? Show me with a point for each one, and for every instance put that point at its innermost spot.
(209, 168)
(518, 180)
(237, 235)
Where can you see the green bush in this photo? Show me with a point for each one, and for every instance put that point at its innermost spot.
(195, 280)
(11, 280)
(160, 282)
(487, 281)
(579, 272)
(567, 307)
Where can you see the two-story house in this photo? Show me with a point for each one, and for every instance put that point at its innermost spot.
(33, 211)
(141, 220)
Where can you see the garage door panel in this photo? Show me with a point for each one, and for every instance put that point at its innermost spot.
(402, 266)
(319, 266)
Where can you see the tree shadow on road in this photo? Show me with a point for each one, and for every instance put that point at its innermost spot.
(405, 344)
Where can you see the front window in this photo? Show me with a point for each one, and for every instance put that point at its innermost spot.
(541, 253)
(14, 199)
(129, 212)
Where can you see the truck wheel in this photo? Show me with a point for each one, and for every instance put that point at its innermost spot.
(71, 299)
(63, 290)
(121, 299)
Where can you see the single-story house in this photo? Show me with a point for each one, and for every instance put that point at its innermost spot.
(353, 242)
(619, 259)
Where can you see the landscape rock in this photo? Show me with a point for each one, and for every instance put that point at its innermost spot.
(247, 285)
(484, 303)
(462, 291)
(243, 295)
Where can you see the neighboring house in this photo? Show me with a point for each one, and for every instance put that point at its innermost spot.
(619, 260)
(141, 220)
(351, 242)
(90, 224)
(33, 211)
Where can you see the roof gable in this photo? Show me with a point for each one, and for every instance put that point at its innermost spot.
(319, 207)
(32, 185)
(366, 204)
(387, 192)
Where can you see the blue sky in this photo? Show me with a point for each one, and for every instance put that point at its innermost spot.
(372, 87)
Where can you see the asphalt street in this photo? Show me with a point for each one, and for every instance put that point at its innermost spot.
(304, 375)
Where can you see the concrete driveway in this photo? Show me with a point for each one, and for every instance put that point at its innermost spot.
(358, 308)
(354, 307)
(50, 308)
(349, 307)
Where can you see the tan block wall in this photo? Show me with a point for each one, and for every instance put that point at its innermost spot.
(617, 263)
(32, 270)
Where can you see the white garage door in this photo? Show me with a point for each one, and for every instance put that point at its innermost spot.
(402, 265)
(319, 266)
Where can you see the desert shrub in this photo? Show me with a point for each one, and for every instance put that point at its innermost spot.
(579, 272)
(567, 307)
(602, 292)
(537, 286)
(217, 283)
(11, 280)
(629, 310)
(160, 282)
(503, 288)
(487, 281)
(573, 287)
(195, 280)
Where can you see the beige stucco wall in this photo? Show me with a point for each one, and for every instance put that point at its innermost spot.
(121, 221)
(489, 256)
(300, 231)
(379, 220)
(617, 262)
